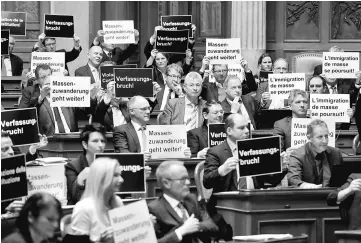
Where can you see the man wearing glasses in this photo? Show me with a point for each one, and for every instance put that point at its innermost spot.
(197, 139)
(263, 96)
(179, 216)
(49, 45)
(214, 90)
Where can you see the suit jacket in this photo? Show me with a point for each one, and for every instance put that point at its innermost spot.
(70, 55)
(262, 87)
(250, 105)
(119, 55)
(85, 71)
(302, 164)
(29, 97)
(283, 128)
(174, 112)
(210, 90)
(168, 221)
(197, 139)
(16, 237)
(125, 139)
(350, 208)
(16, 65)
(72, 170)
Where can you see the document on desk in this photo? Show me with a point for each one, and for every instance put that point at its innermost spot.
(262, 237)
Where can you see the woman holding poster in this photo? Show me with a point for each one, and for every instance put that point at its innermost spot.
(90, 218)
(265, 64)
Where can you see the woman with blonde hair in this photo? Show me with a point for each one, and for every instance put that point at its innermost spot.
(90, 215)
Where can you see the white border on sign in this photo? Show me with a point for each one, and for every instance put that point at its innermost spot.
(37, 123)
(238, 177)
(173, 52)
(59, 15)
(133, 69)
(161, 21)
(26, 17)
(145, 179)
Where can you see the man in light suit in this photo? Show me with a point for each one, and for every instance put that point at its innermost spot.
(310, 165)
(235, 102)
(180, 218)
(131, 137)
(95, 55)
(186, 110)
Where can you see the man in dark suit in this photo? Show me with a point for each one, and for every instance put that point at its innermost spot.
(298, 100)
(310, 165)
(95, 55)
(215, 90)
(11, 64)
(49, 45)
(93, 140)
(179, 216)
(197, 139)
(235, 102)
(115, 54)
(221, 161)
(358, 115)
(348, 197)
(186, 110)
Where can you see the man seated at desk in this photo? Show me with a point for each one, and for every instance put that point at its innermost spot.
(310, 165)
(348, 196)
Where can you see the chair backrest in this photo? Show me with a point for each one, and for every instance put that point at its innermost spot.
(356, 145)
(305, 62)
(65, 224)
(203, 193)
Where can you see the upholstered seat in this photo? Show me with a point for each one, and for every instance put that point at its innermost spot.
(305, 62)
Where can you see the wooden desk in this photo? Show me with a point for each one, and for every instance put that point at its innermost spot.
(348, 236)
(293, 211)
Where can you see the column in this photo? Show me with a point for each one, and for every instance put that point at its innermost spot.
(80, 11)
(249, 24)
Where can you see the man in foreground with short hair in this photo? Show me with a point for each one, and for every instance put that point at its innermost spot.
(310, 165)
(179, 216)
(197, 138)
(91, 69)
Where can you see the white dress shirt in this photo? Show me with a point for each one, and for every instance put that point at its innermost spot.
(65, 124)
(7, 64)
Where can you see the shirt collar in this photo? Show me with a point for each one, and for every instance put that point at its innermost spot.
(92, 68)
(188, 102)
(230, 101)
(231, 144)
(136, 126)
(173, 202)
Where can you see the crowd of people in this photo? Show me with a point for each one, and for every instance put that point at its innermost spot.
(184, 95)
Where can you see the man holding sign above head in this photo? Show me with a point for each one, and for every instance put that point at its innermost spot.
(235, 102)
(112, 53)
(186, 110)
(95, 55)
(49, 45)
(179, 217)
(310, 165)
(263, 96)
(197, 138)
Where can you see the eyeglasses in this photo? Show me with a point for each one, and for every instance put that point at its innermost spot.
(147, 108)
(315, 86)
(182, 180)
(235, 88)
(221, 71)
(175, 76)
(193, 85)
(218, 112)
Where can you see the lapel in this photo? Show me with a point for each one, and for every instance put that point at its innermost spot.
(89, 73)
(311, 160)
(48, 108)
(214, 89)
(329, 158)
(182, 103)
(170, 210)
(133, 133)
(205, 133)
(249, 109)
(190, 207)
(66, 114)
(226, 106)
(200, 109)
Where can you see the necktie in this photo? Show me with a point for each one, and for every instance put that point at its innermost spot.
(334, 90)
(144, 138)
(319, 159)
(184, 212)
(242, 184)
(192, 120)
(58, 120)
(110, 55)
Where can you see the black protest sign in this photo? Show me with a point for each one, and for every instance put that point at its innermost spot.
(172, 41)
(5, 42)
(14, 21)
(263, 76)
(133, 81)
(59, 26)
(13, 177)
(132, 167)
(216, 134)
(22, 125)
(107, 73)
(177, 22)
(259, 156)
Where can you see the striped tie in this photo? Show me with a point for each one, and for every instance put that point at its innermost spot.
(192, 120)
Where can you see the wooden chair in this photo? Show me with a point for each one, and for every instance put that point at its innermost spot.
(203, 193)
(305, 62)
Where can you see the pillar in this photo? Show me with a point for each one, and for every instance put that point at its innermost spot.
(249, 24)
(80, 11)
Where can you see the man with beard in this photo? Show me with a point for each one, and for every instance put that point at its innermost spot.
(95, 55)
(310, 165)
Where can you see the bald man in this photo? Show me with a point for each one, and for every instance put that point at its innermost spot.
(95, 55)
(13, 64)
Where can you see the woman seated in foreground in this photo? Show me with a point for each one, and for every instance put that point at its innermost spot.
(38, 220)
